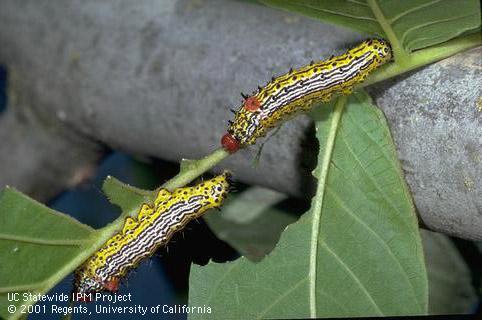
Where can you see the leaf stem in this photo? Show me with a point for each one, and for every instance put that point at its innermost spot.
(401, 56)
(425, 56)
(196, 168)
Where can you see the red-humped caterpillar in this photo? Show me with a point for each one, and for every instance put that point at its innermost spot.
(141, 236)
(299, 90)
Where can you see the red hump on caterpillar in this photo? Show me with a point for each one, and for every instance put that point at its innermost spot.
(252, 104)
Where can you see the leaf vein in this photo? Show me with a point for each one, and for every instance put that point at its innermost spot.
(281, 297)
(338, 13)
(423, 25)
(48, 242)
(358, 2)
(377, 237)
(25, 287)
(216, 286)
(323, 292)
(375, 183)
(413, 9)
(353, 276)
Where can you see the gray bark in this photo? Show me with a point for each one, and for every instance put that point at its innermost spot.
(157, 78)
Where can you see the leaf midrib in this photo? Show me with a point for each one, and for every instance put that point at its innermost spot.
(43, 241)
(318, 201)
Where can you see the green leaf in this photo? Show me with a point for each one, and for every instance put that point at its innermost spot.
(408, 25)
(449, 278)
(357, 252)
(126, 197)
(450, 283)
(39, 246)
(36, 243)
(250, 221)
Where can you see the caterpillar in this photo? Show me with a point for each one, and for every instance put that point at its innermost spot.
(299, 90)
(141, 236)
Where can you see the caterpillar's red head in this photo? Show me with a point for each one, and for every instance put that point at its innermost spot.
(229, 143)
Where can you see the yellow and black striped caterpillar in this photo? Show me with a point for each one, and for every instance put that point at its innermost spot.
(141, 236)
(299, 90)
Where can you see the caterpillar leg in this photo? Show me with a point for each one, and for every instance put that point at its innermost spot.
(326, 98)
(347, 91)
